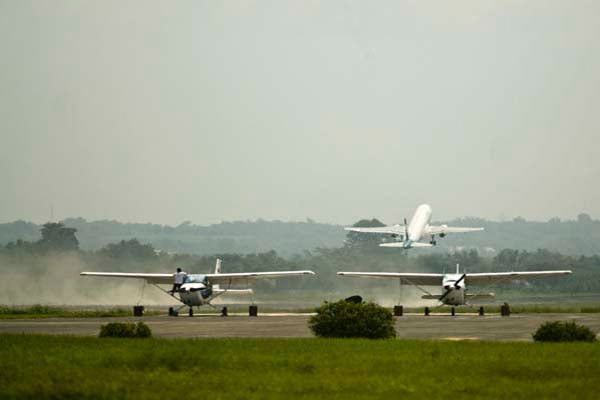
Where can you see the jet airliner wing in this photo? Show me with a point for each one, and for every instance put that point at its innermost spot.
(150, 278)
(408, 277)
(491, 277)
(437, 229)
(401, 244)
(243, 277)
(390, 230)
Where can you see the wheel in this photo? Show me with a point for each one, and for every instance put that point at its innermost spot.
(191, 312)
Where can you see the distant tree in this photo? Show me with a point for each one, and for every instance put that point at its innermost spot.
(356, 239)
(466, 259)
(20, 246)
(56, 236)
(506, 259)
(185, 226)
(584, 218)
(129, 249)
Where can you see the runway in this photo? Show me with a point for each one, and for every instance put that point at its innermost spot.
(517, 327)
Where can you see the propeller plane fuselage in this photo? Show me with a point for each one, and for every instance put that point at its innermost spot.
(201, 289)
(196, 291)
(454, 289)
(454, 286)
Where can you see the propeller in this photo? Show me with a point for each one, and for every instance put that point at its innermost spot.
(459, 279)
(447, 292)
(405, 230)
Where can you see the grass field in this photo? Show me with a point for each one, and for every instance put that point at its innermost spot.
(41, 311)
(74, 367)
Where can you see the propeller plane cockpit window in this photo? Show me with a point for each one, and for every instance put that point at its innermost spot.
(195, 278)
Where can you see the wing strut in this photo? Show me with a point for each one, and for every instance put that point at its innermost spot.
(417, 286)
(168, 292)
(141, 292)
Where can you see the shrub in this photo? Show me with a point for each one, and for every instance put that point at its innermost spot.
(142, 330)
(563, 332)
(343, 319)
(125, 330)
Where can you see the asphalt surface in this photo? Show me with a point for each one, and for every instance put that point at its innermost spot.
(517, 327)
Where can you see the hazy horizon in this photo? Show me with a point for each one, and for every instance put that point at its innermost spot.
(161, 112)
(305, 220)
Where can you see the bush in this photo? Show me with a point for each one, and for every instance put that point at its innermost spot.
(142, 330)
(343, 319)
(125, 330)
(563, 332)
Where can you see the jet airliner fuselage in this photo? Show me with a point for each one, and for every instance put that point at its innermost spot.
(412, 233)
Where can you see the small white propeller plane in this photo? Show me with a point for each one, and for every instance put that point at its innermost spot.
(419, 228)
(454, 286)
(201, 289)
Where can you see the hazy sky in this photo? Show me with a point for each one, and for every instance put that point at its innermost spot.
(224, 110)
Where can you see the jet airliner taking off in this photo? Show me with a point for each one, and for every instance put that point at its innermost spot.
(201, 289)
(454, 286)
(418, 229)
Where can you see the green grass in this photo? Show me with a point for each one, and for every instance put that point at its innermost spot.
(41, 311)
(75, 367)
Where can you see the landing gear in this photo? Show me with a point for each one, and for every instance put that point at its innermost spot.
(191, 312)
(432, 241)
(505, 310)
(253, 310)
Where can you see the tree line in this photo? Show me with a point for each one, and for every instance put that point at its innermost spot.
(359, 253)
(573, 237)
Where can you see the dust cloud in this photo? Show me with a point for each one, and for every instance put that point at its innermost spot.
(408, 296)
(57, 282)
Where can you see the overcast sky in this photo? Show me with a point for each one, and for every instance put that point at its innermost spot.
(165, 111)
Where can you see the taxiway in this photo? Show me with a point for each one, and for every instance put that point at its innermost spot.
(517, 327)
